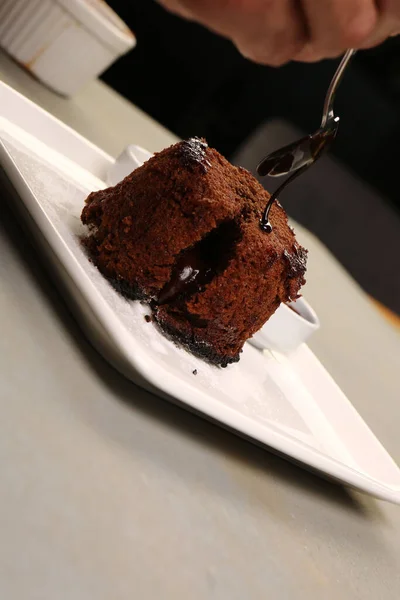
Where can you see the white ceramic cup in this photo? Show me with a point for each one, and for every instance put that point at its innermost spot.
(64, 43)
(291, 325)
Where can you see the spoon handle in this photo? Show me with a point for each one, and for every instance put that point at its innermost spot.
(265, 224)
(337, 78)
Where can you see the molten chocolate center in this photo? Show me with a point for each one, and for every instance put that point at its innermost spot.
(196, 267)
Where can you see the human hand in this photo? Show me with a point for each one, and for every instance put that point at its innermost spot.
(274, 32)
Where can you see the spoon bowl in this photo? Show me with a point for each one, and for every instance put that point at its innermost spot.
(295, 158)
(303, 152)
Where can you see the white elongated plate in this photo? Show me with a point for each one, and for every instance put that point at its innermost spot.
(288, 403)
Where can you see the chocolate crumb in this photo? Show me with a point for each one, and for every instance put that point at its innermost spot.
(147, 318)
(195, 372)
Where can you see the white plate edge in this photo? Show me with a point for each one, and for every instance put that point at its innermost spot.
(299, 452)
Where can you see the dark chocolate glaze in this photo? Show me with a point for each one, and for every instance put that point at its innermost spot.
(298, 154)
(189, 274)
(197, 266)
(194, 152)
(295, 158)
(297, 261)
(285, 159)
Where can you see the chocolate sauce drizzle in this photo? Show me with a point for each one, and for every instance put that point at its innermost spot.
(189, 274)
(298, 158)
(194, 152)
(197, 266)
(297, 262)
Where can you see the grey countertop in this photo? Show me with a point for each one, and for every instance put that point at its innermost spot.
(108, 492)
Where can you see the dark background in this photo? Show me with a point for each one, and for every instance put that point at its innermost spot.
(196, 83)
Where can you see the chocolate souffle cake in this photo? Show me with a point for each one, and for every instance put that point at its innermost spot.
(183, 234)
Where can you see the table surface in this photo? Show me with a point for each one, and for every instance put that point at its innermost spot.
(109, 492)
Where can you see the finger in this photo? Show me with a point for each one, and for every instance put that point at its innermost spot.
(176, 7)
(274, 35)
(336, 25)
(388, 24)
(266, 31)
(385, 29)
(391, 8)
(311, 54)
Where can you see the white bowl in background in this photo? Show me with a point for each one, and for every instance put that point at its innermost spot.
(129, 160)
(64, 43)
(291, 325)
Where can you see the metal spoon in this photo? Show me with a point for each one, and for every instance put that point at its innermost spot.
(298, 156)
